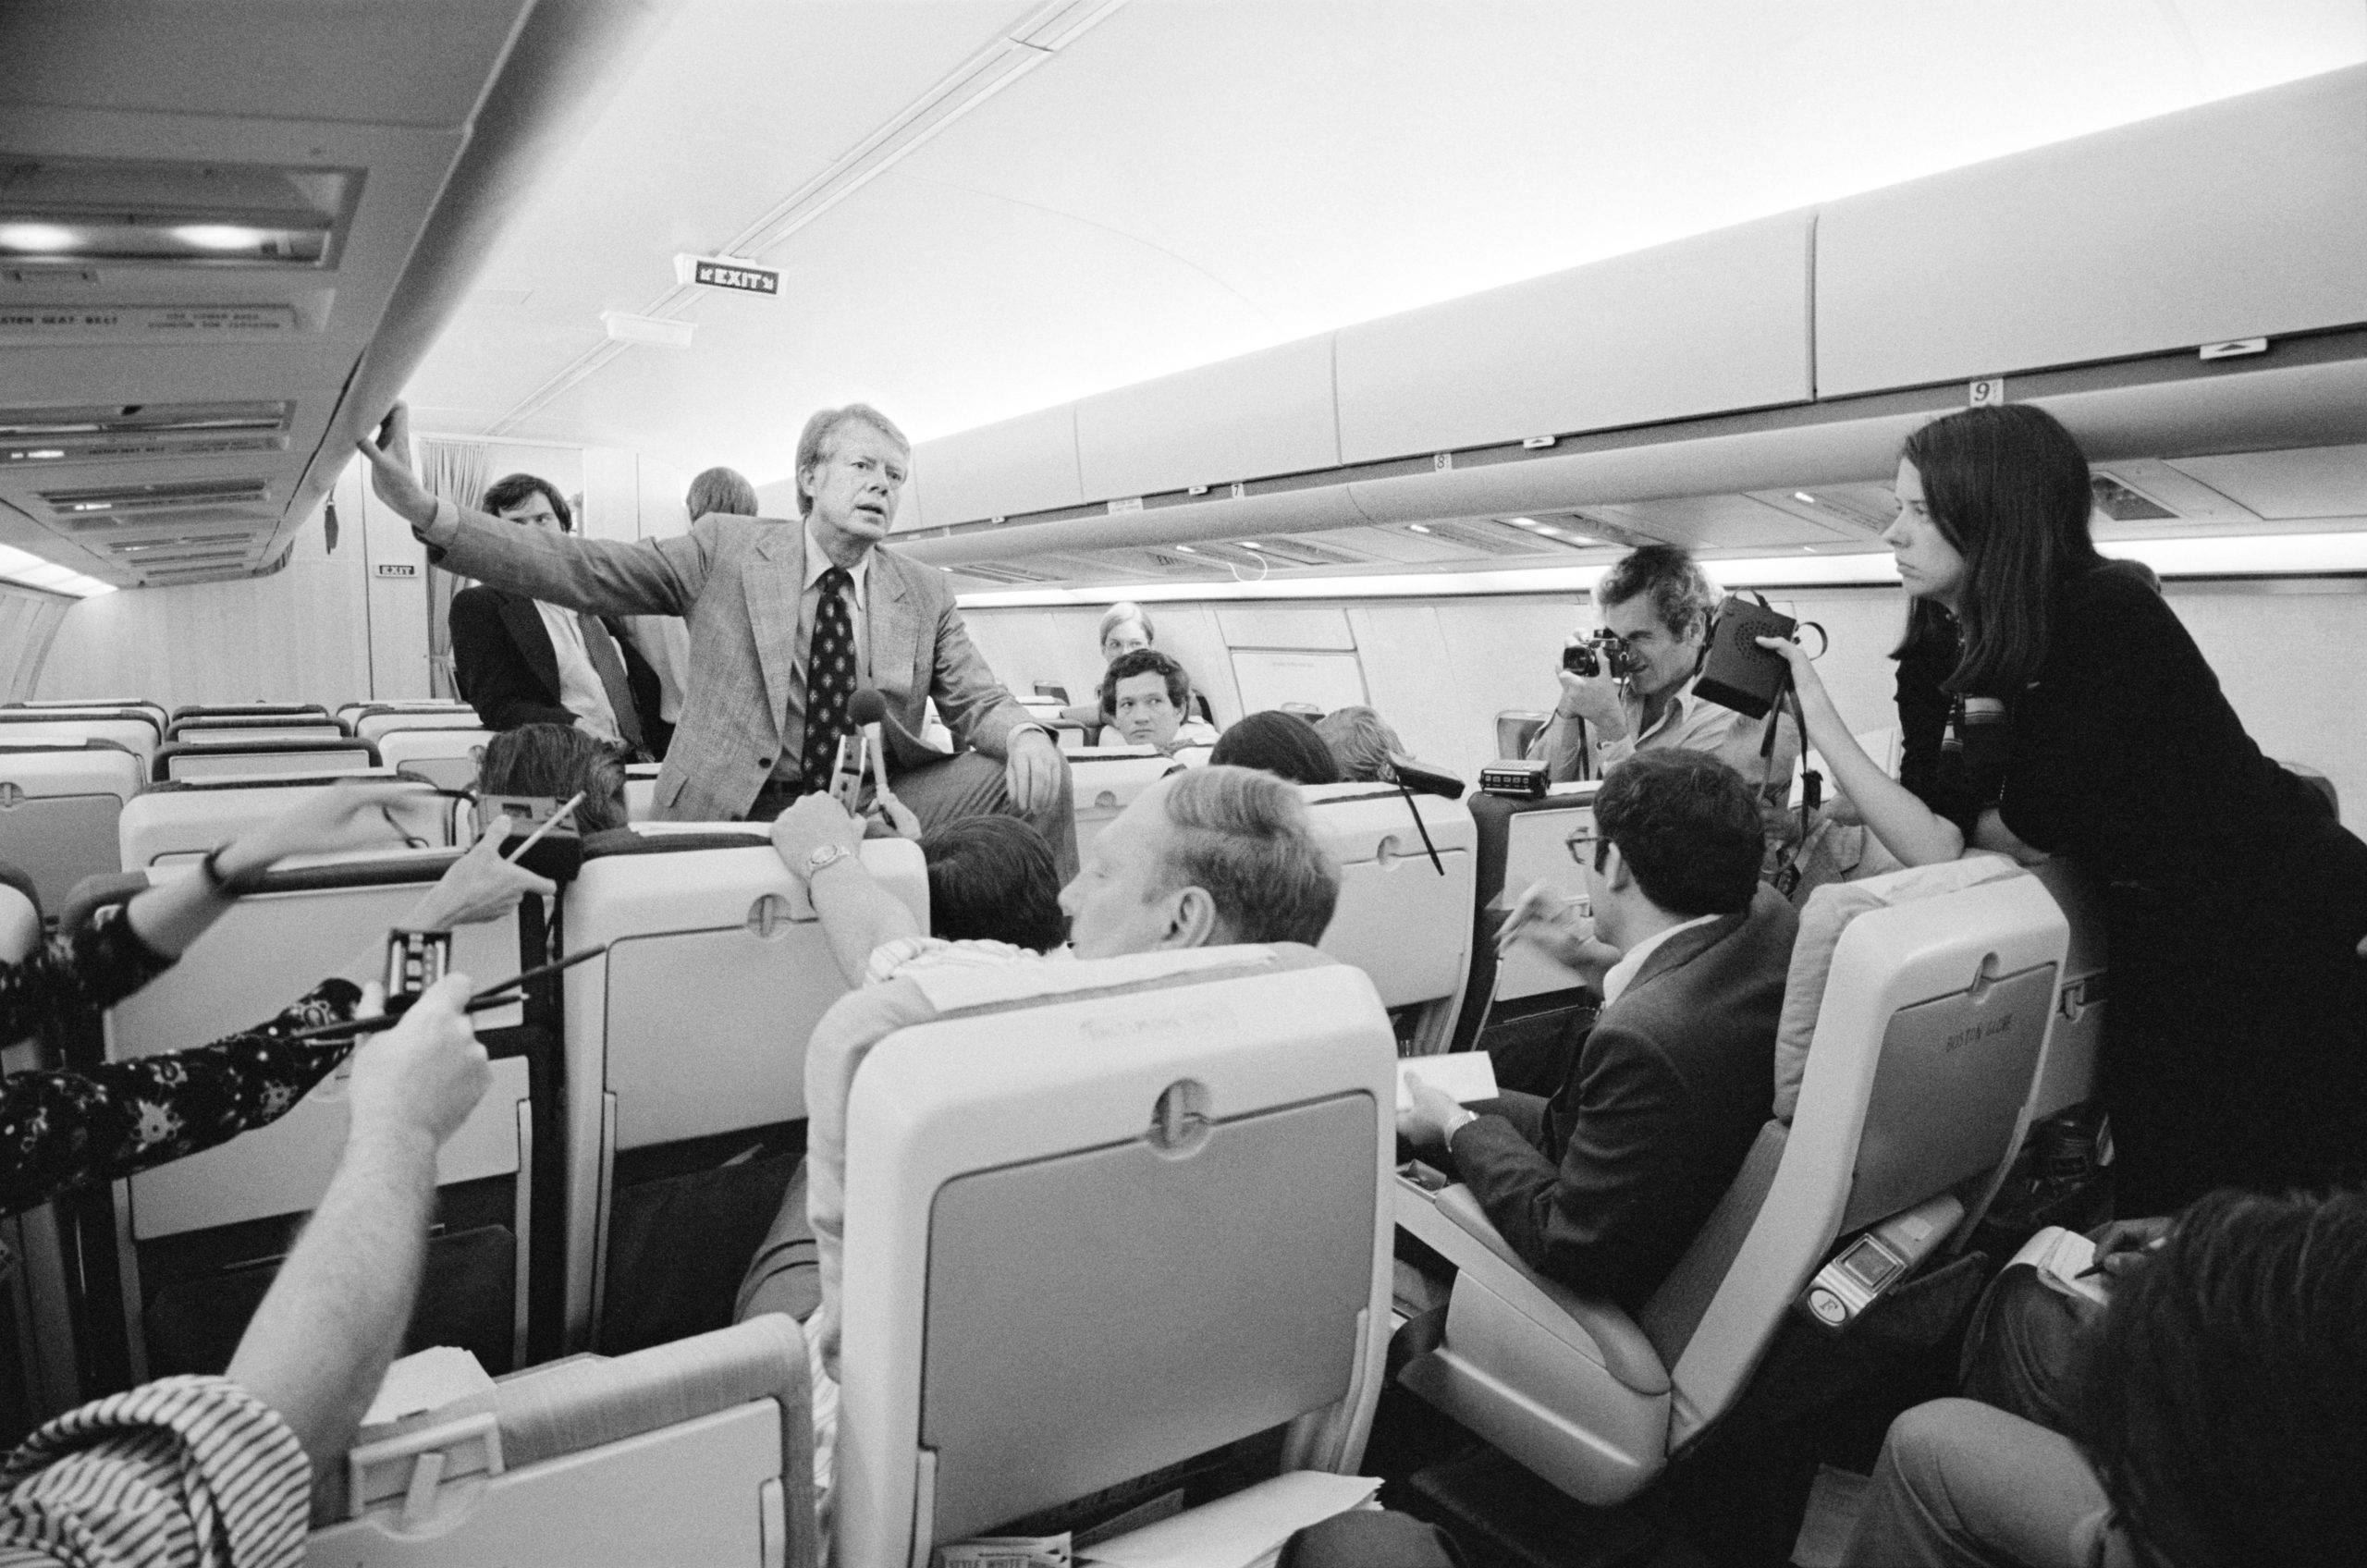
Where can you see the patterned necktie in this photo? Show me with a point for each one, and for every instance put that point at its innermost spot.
(610, 664)
(829, 679)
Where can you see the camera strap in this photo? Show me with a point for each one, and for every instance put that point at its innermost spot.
(1786, 875)
(1423, 828)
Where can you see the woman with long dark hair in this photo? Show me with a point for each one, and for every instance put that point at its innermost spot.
(2051, 704)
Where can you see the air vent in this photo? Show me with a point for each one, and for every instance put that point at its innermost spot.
(1163, 561)
(61, 212)
(147, 524)
(2121, 504)
(155, 547)
(995, 572)
(1487, 539)
(120, 431)
(181, 573)
(176, 562)
(116, 500)
(1307, 552)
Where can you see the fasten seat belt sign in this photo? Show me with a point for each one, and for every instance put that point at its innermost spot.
(724, 272)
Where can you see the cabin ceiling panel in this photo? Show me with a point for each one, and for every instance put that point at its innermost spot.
(418, 63)
(1192, 179)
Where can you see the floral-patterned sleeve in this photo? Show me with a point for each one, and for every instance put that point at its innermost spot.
(75, 976)
(59, 1131)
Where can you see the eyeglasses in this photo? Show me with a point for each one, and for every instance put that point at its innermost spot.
(1576, 844)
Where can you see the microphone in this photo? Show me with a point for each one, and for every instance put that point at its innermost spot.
(869, 709)
(1422, 778)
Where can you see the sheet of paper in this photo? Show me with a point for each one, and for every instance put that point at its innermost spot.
(426, 1379)
(1237, 1531)
(1467, 1075)
(2062, 1258)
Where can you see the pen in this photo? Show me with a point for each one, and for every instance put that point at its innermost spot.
(2098, 1267)
(483, 1001)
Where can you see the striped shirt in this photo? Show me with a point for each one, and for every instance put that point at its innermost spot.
(191, 1470)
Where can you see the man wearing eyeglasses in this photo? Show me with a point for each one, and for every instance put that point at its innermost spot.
(1605, 1185)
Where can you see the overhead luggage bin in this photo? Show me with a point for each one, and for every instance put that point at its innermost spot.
(1016, 465)
(2240, 218)
(1268, 412)
(61, 806)
(1704, 326)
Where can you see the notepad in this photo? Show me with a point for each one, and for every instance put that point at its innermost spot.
(1467, 1075)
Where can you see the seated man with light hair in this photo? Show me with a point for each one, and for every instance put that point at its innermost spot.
(1363, 743)
(1203, 858)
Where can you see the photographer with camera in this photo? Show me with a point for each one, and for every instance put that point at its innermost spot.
(1632, 682)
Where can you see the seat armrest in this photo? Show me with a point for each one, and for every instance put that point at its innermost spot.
(1451, 1222)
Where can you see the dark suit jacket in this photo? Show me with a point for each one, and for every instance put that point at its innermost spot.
(507, 669)
(1661, 1104)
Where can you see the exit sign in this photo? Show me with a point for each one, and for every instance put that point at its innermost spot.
(722, 271)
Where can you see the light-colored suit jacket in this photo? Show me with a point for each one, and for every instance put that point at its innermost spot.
(738, 581)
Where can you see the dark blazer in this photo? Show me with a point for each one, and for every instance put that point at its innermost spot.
(507, 669)
(1662, 1102)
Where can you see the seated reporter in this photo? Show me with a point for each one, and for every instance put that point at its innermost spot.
(1604, 1185)
(1125, 628)
(2214, 1414)
(195, 1472)
(1362, 744)
(554, 762)
(1279, 743)
(2051, 704)
(64, 1129)
(1146, 697)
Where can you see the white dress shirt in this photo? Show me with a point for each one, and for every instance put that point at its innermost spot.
(581, 691)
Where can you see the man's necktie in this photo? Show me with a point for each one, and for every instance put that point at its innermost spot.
(601, 649)
(829, 679)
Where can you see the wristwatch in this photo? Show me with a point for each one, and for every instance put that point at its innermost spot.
(823, 855)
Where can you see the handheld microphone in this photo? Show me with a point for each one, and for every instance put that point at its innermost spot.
(869, 709)
(1425, 779)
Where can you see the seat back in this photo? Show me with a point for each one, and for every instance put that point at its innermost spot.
(640, 790)
(136, 704)
(1928, 1041)
(694, 1023)
(20, 928)
(1402, 919)
(445, 756)
(1519, 842)
(136, 731)
(265, 950)
(2073, 1071)
(327, 753)
(1050, 1285)
(373, 723)
(59, 811)
(181, 821)
(250, 712)
(696, 1451)
(294, 727)
(1107, 781)
(1515, 728)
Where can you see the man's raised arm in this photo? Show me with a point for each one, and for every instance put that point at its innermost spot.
(606, 577)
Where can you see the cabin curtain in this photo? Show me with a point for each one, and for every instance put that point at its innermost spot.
(455, 471)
